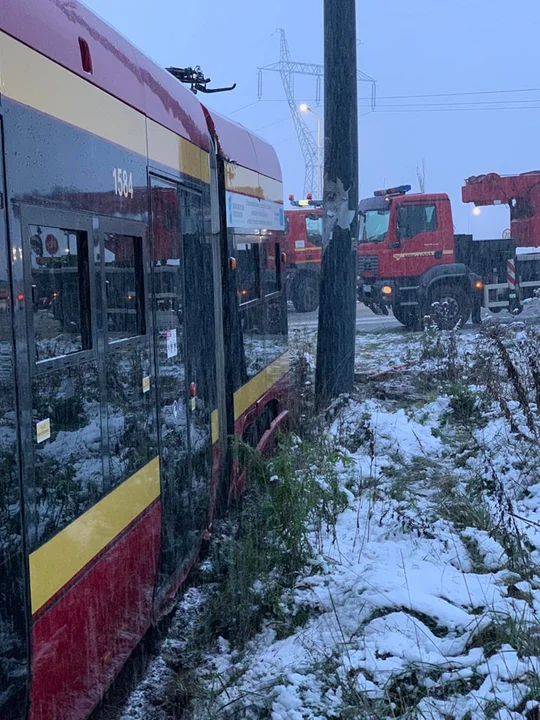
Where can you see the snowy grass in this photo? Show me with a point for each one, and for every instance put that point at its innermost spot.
(388, 564)
(289, 505)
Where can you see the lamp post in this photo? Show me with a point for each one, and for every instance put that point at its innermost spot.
(305, 108)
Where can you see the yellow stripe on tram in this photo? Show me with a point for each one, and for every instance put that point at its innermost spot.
(254, 389)
(174, 151)
(248, 182)
(59, 560)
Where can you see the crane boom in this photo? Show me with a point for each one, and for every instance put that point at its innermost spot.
(520, 192)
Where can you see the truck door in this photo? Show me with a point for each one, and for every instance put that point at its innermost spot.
(419, 240)
(14, 674)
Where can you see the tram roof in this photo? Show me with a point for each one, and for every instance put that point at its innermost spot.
(54, 27)
(241, 146)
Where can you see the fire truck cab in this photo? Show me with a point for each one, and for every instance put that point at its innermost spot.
(407, 259)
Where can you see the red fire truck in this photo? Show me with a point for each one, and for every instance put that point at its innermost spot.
(302, 245)
(409, 259)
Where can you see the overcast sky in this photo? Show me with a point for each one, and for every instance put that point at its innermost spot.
(421, 47)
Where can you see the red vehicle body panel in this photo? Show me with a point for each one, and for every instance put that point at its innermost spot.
(521, 192)
(242, 147)
(84, 634)
(95, 624)
(184, 571)
(278, 393)
(53, 28)
(412, 257)
(296, 243)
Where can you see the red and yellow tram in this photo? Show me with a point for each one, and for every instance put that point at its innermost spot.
(142, 323)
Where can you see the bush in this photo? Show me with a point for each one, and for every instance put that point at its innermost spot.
(465, 406)
(290, 502)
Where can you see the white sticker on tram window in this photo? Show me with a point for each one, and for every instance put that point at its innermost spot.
(172, 345)
(146, 384)
(43, 430)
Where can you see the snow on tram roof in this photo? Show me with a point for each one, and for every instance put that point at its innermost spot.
(55, 28)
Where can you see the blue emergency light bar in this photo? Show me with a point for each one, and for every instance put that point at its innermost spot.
(399, 190)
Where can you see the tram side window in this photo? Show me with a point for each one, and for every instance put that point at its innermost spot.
(271, 261)
(248, 271)
(124, 272)
(60, 291)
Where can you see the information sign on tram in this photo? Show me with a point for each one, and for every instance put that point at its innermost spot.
(248, 213)
(172, 345)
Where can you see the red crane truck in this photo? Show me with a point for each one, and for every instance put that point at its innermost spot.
(410, 260)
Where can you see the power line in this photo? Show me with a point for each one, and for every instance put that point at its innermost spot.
(493, 105)
(244, 107)
(431, 107)
(412, 109)
(467, 93)
(455, 94)
(407, 109)
(289, 139)
(481, 103)
(517, 104)
(419, 97)
(276, 122)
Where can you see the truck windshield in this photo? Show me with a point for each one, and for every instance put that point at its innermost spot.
(374, 225)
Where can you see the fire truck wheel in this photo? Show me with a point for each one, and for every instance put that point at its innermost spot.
(449, 305)
(408, 316)
(305, 292)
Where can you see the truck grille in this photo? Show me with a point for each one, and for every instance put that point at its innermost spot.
(368, 263)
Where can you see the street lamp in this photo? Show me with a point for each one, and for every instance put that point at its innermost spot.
(306, 109)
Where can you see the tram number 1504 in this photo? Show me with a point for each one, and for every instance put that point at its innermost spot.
(123, 182)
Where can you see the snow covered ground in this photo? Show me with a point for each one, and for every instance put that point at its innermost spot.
(424, 600)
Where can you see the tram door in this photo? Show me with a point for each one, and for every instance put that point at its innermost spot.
(13, 605)
(185, 369)
(172, 396)
(200, 354)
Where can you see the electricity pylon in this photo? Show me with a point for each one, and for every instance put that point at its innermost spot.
(288, 68)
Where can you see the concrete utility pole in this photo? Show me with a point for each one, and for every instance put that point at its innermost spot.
(337, 307)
